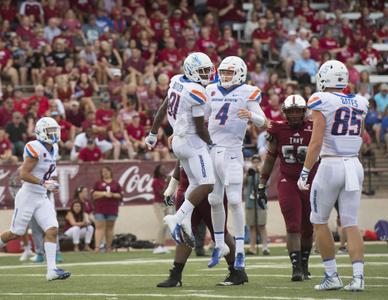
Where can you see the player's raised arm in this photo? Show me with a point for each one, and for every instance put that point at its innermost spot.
(151, 139)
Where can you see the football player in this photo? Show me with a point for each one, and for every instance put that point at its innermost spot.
(185, 109)
(338, 125)
(182, 253)
(288, 141)
(232, 103)
(31, 200)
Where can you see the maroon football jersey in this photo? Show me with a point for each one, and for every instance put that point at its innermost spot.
(291, 146)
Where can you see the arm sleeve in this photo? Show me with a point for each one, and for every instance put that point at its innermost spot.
(258, 118)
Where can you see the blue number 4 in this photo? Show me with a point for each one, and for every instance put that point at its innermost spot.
(222, 114)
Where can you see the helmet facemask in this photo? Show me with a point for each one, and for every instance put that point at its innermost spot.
(295, 115)
(206, 74)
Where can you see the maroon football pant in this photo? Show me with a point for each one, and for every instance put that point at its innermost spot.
(295, 207)
(200, 212)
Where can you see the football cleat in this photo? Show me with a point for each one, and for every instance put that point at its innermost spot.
(239, 262)
(328, 283)
(217, 254)
(26, 254)
(266, 252)
(356, 285)
(37, 258)
(174, 280)
(57, 274)
(187, 233)
(174, 228)
(297, 274)
(235, 277)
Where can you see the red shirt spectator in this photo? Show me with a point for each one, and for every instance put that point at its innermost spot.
(74, 115)
(345, 54)
(8, 11)
(328, 43)
(263, 33)
(5, 55)
(228, 46)
(205, 40)
(273, 113)
(158, 186)
(43, 101)
(31, 7)
(65, 129)
(50, 11)
(5, 145)
(24, 30)
(6, 112)
(177, 22)
(20, 103)
(136, 130)
(170, 55)
(104, 114)
(370, 56)
(90, 153)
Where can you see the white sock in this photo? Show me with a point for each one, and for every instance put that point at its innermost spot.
(330, 266)
(50, 249)
(2, 244)
(185, 209)
(27, 248)
(358, 268)
(218, 221)
(239, 224)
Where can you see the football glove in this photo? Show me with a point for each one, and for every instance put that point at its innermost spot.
(50, 185)
(302, 181)
(170, 192)
(262, 196)
(151, 140)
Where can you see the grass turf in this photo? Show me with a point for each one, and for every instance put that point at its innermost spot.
(134, 275)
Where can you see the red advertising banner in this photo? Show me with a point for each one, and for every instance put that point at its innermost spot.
(135, 177)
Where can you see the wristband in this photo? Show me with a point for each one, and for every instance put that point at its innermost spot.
(305, 170)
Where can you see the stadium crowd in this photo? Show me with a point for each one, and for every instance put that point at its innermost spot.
(102, 68)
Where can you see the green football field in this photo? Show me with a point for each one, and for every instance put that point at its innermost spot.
(134, 275)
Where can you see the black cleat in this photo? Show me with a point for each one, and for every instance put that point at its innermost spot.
(235, 277)
(297, 274)
(305, 268)
(174, 280)
(306, 275)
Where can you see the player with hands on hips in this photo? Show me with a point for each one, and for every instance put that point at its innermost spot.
(336, 138)
(31, 200)
(185, 109)
(233, 104)
(288, 141)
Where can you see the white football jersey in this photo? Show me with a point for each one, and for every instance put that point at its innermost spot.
(186, 100)
(46, 163)
(344, 116)
(225, 127)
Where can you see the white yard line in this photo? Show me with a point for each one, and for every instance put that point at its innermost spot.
(165, 260)
(194, 295)
(165, 274)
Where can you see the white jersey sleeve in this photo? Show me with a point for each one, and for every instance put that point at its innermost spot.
(45, 166)
(344, 115)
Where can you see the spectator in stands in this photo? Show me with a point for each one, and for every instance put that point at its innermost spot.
(365, 82)
(6, 63)
(81, 194)
(259, 76)
(41, 99)
(67, 132)
(78, 226)
(84, 91)
(256, 226)
(120, 139)
(273, 111)
(17, 132)
(104, 113)
(51, 31)
(329, 43)
(75, 115)
(305, 68)
(354, 75)
(160, 209)
(161, 151)
(115, 87)
(230, 12)
(107, 194)
(90, 153)
(262, 38)
(6, 112)
(91, 31)
(370, 56)
(382, 98)
(384, 130)
(6, 156)
(315, 49)
(303, 38)
(291, 52)
(227, 45)
(136, 134)
(289, 20)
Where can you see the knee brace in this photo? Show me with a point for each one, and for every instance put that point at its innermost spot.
(215, 199)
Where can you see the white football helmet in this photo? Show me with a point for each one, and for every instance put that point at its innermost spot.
(47, 130)
(295, 110)
(238, 66)
(332, 74)
(199, 68)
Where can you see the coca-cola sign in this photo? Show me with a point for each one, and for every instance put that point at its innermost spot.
(134, 177)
